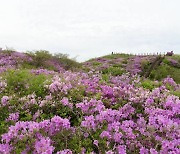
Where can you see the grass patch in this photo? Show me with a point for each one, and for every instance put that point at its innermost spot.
(114, 71)
(165, 70)
(149, 84)
(119, 55)
(22, 82)
(96, 63)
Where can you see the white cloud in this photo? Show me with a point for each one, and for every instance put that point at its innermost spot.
(90, 28)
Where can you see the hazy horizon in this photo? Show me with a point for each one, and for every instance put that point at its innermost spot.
(89, 29)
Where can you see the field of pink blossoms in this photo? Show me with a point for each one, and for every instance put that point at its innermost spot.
(59, 111)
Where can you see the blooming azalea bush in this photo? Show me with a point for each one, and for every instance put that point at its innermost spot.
(68, 112)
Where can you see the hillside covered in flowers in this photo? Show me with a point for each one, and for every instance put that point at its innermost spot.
(116, 104)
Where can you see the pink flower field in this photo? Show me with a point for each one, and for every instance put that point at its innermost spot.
(50, 107)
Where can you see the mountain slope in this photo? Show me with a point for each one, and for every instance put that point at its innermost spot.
(153, 66)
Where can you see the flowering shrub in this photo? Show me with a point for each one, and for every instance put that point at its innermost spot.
(68, 112)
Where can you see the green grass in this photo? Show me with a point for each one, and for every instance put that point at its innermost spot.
(95, 63)
(165, 70)
(176, 57)
(69, 64)
(22, 82)
(149, 84)
(119, 55)
(114, 71)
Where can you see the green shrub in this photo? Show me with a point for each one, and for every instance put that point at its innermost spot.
(77, 94)
(166, 61)
(86, 69)
(4, 114)
(8, 51)
(165, 70)
(23, 82)
(96, 63)
(117, 65)
(176, 57)
(145, 65)
(66, 62)
(36, 85)
(69, 64)
(176, 93)
(39, 57)
(115, 71)
(148, 84)
(105, 77)
(27, 65)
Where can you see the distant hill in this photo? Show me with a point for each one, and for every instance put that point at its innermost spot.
(111, 104)
(153, 66)
(38, 59)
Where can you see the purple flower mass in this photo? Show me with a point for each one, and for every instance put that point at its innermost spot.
(4, 100)
(88, 112)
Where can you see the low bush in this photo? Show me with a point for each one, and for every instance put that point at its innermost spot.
(165, 70)
(68, 64)
(115, 71)
(148, 84)
(22, 82)
(39, 57)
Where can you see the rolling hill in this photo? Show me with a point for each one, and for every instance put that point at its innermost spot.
(117, 103)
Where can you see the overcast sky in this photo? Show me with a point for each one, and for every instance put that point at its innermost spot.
(90, 28)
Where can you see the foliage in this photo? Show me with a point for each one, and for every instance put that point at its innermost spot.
(100, 111)
(43, 59)
(148, 84)
(96, 63)
(67, 63)
(165, 70)
(115, 71)
(39, 58)
(121, 55)
(22, 82)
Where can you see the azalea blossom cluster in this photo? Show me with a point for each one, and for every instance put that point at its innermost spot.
(83, 113)
(130, 63)
(102, 63)
(12, 60)
(22, 131)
